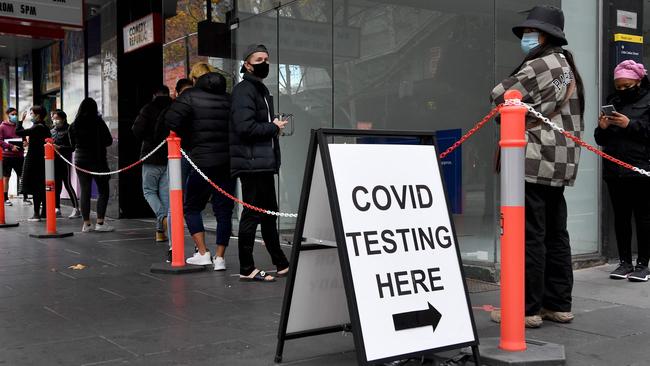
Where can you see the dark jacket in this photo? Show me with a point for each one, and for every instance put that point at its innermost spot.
(62, 140)
(89, 138)
(630, 144)
(33, 177)
(200, 117)
(254, 143)
(144, 128)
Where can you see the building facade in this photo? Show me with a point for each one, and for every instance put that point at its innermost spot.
(360, 64)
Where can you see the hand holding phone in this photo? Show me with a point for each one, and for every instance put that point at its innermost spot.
(608, 110)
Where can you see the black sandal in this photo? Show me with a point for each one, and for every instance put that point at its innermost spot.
(260, 276)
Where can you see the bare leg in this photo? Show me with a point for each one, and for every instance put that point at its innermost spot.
(199, 241)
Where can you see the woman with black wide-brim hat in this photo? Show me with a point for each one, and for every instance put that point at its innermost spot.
(550, 83)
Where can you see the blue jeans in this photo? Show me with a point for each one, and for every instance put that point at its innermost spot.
(199, 192)
(155, 186)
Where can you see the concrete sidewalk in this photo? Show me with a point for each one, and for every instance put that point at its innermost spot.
(114, 312)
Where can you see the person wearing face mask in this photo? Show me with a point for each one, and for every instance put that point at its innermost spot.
(255, 159)
(550, 83)
(12, 150)
(625, 135)
(34, 168)
(61, 169)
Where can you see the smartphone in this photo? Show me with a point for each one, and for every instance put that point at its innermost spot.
(608, 110)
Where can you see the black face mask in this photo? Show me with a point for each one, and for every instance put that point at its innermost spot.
(629, 94)
(261, 70)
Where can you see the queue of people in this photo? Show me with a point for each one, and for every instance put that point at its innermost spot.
(232, 137)
(24, 154)
(227, 137)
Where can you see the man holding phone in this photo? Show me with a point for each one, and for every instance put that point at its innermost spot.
(255, 159)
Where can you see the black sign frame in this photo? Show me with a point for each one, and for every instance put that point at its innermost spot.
(319, 142)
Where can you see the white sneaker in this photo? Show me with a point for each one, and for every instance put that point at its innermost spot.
(87, 228)
(75, 213)
(219, 263)
(200, 260)
(58, 212)
(105, 228)
(8, 203)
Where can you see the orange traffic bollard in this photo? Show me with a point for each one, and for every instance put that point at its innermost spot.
(50, 196)
(513, 150)
(3, 223)
(176, 220)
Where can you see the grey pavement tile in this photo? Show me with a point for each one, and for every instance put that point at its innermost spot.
(35, 325)
(617, 321)
(632, 350)
(117, 316)
(83, 351)
(617, 292)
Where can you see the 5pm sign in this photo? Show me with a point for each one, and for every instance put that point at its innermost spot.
(400, 267)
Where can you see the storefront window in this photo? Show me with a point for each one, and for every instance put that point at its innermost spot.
(73, 72)
(51, 68)
(581, 25)
(373, 65)
(25, 86)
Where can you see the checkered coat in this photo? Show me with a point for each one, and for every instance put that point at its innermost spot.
(551, 159)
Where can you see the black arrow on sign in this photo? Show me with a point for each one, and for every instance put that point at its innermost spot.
(417, 319)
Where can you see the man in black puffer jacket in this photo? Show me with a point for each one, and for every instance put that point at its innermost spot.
(201, 117)
(255, 159)
(155, 183)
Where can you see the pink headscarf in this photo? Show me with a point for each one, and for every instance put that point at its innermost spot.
(629, 69)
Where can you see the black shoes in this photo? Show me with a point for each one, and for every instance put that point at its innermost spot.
(638, 273)
(641, 274)
(622, 271)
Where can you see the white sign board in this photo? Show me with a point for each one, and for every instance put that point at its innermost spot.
(65, 12)
(403, 258)
(140, 33)
(626, 19)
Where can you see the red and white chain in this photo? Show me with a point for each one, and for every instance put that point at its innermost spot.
(578, 141)
(113, 172)
(230, 196)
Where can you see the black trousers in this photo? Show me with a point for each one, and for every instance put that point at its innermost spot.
(631, 196)
(258, 189)
(549, 274)
(62, 178)
(85, 183)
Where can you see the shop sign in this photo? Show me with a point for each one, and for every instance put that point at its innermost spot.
(142, 32)
(53, 12)
(626, 19)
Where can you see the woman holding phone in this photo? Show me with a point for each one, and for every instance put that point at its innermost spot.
(625, 134)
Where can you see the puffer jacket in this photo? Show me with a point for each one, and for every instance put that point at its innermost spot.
(551, 159)
(254, 146)
(62, 140)
(144, 128)
(200, 115)
(630, 144)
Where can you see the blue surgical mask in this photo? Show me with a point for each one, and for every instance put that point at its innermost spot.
(529, 41)
(13, 119)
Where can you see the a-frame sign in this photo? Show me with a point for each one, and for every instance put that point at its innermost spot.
(375, 249)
